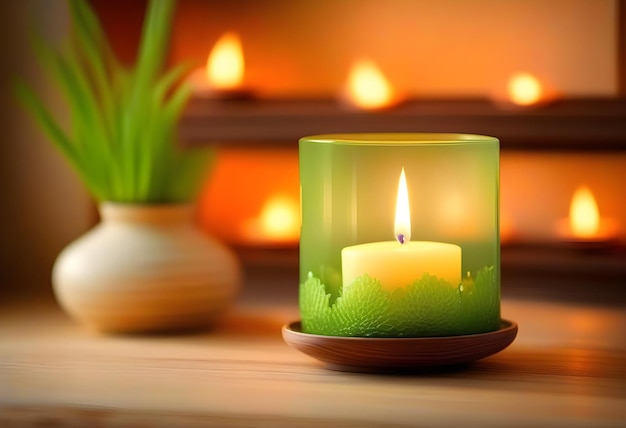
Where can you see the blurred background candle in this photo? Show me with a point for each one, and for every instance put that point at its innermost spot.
(266, 212)
(223, 74)
(368, 88)
(524, 89)
(584, 223)
(277, 224)
(225, 64)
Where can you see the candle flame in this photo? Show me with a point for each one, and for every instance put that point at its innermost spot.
(367, 86)
(225, 64)
(402, 225)
(280, 218)
(584, 217)
(524, 89)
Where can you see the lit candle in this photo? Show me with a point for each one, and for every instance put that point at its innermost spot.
(222, 77)
(524, 89)
(278, 223)
(225, 64)
(367, 87)
(400, 263)
(353, 281)
(584, 217)
(584, 223)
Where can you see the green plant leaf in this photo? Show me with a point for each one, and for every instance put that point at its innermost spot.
(154, 37)
(41, 115)
(122, 138)
(150, 61)
(167, 82)
(84, 110)
(315, 307)
(193, 167)
(429, 307)
(93, 46)
(363, 310)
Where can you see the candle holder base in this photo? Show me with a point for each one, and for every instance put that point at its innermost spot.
(374, 355)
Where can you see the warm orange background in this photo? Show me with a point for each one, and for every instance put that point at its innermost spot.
(426, 48)
(243, 180)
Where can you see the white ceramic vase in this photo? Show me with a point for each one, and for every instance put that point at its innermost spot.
(145, 268)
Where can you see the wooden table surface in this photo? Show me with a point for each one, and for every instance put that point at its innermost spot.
(567, 368)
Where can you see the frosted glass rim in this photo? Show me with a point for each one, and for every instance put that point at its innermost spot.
(399, 139)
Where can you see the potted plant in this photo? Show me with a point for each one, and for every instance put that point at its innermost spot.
(145, 266)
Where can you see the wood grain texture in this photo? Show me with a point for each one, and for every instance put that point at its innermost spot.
(372, 355)
(566, 368)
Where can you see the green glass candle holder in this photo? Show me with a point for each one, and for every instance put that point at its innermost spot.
(400, 235)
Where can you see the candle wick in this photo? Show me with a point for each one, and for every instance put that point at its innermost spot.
(401, 238)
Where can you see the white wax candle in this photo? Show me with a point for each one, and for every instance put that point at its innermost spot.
(396, 265)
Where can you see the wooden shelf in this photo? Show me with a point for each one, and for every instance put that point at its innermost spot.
(565, 273)
(575, 124)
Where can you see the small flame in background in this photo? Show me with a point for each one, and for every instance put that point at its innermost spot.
(225, 64)
(584, 216)
(367, 86)
(278, 222)
(524, 89)
(280, 217)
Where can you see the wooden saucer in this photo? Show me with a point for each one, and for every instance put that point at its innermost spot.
(367, 354)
